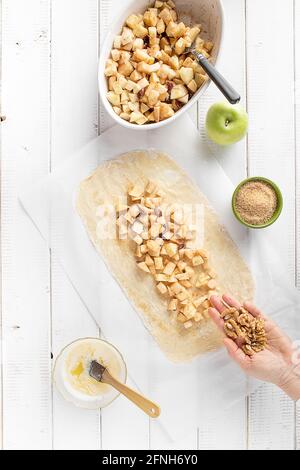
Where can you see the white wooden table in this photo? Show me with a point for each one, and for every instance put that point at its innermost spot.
(49, 96)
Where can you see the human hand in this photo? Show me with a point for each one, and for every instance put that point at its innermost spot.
(273, 364)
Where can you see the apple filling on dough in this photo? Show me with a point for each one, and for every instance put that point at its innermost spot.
(161, 239)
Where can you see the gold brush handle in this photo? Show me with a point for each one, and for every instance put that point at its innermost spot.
(150, 408)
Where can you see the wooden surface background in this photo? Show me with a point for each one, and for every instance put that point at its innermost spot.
(49, 54)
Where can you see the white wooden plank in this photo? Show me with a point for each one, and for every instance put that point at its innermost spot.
(227, 429)
(231, 64)
(25, 269)
(159, 440)
(74, 121)
(297, 153)
(271, 423)
(132, 430)
(1, 382)
(272, 153)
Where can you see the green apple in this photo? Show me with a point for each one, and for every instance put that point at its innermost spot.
(226, 124)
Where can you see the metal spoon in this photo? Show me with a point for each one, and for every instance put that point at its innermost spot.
(228, 91)
(101, 374)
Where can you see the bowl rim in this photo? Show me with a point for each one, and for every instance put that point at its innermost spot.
(277, 212)
(185, 108)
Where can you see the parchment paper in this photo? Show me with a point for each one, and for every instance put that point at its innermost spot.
(187, 392)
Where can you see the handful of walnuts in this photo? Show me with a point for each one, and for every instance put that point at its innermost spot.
(149, 76)
(240, 324)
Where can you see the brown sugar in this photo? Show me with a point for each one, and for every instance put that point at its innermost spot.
(256, 202)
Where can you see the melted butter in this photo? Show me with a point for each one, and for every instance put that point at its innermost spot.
(78, 363)
(78, 369)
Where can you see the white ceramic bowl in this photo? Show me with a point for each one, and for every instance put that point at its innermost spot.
(209, 13)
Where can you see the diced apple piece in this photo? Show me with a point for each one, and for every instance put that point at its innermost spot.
(137, 190)
(176, 30)
(161, 278)
(152, 32)
(171, 249)
(154, 231)
(197, 261)
(134, 108)
(117, 88)
(199, 301)
(144, 108)
(138, 239)
(181, 318)
(212, 284)
(134, 211)
(180, 46)
(117, 110)
(182, 295)
(115, 54)
(153, 248)
(200, 79)
(149, 260)
(122, 81)
(162, 288)
(138, 117)
(183, 277)
(202, 281)
(138, 43)
(158, 263)
(173, 305)
(141, 55)
(193, 33)
(193, 86)
(186, 74)
(143, 267)
(176, 288)
(166, 16)
(189, 311)
(125, 116)
(111, 81)
(125, 69)
(126, 36)
(166, 111)
(143, 83)
(208, 45)
(137, 227)
(132, 21)
(124, 57)
(150, 17)
(169, 268)
(118, 42)
(160, 26)
(178, 91)
(140, 31)
(143, 67)
(188, 62)
(111, 68)
(113, 98)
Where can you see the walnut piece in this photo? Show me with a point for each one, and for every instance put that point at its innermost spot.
(240, 324)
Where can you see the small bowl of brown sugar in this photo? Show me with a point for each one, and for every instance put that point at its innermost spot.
(257, 202)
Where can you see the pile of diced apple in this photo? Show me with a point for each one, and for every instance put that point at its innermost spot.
(149, 75)
(161, 234)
